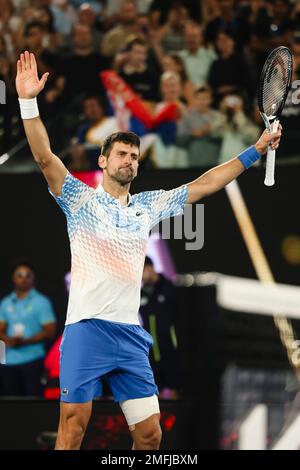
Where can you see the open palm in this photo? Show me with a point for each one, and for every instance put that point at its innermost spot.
(27, 81)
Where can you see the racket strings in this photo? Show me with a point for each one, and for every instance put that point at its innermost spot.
(276, 81)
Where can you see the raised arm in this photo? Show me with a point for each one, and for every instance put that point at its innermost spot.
(28, 87)
(218, 177)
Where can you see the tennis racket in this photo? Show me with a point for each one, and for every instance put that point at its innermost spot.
(274, 84)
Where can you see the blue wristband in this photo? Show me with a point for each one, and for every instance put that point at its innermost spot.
(249, 156)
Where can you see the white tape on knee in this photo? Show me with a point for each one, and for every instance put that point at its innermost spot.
(137, 409)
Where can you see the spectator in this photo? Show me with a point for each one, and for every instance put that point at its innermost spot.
(197, 58)
(97, 126)
(127, 27)
(174, 63)
(195, 131)
(51, 38)
(228, 15)
(132, 113)
(280, 26)
(65, 16)
(7, 99)
(137, 73)
(82, 67)
(47, 61)
(270, 26)
(158, 314)
(234, 127)
(26, 322)
(166, 153)
(88, 17)
(162, 9)
(172, 32)
(230, 73)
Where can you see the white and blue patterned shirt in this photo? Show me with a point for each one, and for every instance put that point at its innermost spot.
(108, 246)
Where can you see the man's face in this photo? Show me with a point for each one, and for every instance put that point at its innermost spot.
(92, 109)
(34, 37)
(193, 38)
(203, 100)
(122, 163)
(87, 15)
(82, 37)
(170, 89)
(225, 44)
(138, 55)
(23, 278)
(128, 13)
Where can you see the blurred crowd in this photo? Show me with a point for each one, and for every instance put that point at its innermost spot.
(181, 74)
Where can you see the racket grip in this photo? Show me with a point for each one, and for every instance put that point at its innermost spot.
(270, 163)
(270, 168)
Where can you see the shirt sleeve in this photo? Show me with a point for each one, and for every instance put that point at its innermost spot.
(164, 204)
(46, 313)
(74, 195)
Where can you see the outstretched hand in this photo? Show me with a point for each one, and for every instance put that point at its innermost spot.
(28, 84)
(268, 139)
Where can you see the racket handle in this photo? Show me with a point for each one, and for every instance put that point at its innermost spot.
(270, 167)
(270, 163)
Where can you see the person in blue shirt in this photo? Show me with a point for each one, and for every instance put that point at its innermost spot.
(26, 321)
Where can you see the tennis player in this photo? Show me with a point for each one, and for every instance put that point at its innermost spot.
(108, 230)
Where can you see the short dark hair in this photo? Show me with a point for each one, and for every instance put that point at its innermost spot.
(135, 41)
(125, 137)
(92, 96)
(22, 262)
(33, 24)
(203, 89)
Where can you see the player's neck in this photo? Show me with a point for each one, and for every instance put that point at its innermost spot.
(117, 191)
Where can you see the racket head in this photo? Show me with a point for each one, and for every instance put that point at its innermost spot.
(275, 82)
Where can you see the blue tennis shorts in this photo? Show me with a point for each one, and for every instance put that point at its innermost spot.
(95, 349)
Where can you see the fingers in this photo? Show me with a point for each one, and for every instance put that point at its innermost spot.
(27, 60)
(19, 67)
(273, 138)
(33, 62)
(276, 140)
(44, 79)
(22, 59)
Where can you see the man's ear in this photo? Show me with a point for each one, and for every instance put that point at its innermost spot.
(102, 161)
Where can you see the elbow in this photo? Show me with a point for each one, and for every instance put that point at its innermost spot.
(42, 159)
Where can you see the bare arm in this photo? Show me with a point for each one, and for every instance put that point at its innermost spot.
(47, 332)
(29, 86)
(10, 341)
(218, 177)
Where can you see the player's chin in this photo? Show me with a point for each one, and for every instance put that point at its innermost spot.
(126, 179)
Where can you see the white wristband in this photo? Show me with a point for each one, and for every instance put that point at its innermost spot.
(29, 108)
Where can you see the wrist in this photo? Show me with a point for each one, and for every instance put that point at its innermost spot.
(260, 148)
(28, 108)
(249, 156)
